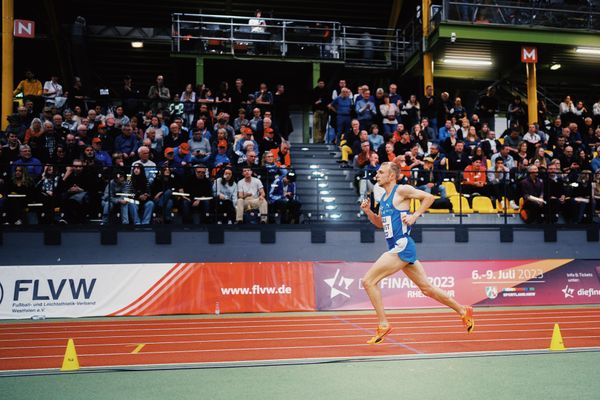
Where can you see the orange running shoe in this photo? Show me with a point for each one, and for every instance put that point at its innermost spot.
(468, 320)
(381, 332)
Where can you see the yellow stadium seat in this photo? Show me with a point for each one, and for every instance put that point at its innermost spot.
(450, 188)
(456, 204)
(488, 163)
(501, 140)
(483, 205)
(509, 209)
(438, 210)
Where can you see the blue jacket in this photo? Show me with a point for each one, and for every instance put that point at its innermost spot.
(277, 190)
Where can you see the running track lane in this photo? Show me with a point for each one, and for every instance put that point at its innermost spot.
(172, 341)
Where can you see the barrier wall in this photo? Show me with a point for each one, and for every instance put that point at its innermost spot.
(199, 288)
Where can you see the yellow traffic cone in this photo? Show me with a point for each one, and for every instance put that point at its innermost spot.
(557, 343)
(70, 362)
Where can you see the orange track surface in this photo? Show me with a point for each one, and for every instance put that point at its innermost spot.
(168, 341)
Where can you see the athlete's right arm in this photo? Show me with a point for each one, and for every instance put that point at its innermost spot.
(374, 218)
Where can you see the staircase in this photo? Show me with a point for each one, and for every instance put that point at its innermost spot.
(324, 189)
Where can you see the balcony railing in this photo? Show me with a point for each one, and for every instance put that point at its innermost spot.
(575, 14)
(286, 38)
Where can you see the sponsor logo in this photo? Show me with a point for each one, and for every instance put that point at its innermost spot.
(518, 292)
(588, 292)
(568, 292)
(339, 285)
(491, 292)
(54, 289)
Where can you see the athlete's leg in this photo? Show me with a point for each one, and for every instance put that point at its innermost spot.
(386, 265)
(417, 274)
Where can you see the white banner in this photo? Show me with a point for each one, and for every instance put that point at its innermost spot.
(75, 290)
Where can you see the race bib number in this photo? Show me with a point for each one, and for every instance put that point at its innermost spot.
(387, 227)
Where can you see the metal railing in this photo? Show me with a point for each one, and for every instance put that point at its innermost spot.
(285, 38)
(581, 15)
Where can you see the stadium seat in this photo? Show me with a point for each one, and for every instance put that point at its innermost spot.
(483, 205)
(456, 204)
(501, 140)
(450, 188)
(438, 210)
(488, 163)
(509, 209)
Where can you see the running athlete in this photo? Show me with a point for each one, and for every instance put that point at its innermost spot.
(395, 219)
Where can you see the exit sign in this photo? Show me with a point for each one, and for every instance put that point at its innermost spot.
(24, 28)
(529, 54)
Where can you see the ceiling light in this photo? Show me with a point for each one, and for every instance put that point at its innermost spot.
(335, 216)
(330, 207)
(470, 62)
(323, 185)
(305, 149)
(137, 45)
(588, 50)
(324, 192)
(554, 67)
(328, 199)
(314, 166)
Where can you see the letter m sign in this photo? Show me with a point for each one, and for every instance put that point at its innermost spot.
(529, 54)
(24, 28)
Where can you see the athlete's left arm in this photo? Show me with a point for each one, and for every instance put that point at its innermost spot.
(409, 192)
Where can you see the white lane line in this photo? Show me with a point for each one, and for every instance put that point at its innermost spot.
(298, 347)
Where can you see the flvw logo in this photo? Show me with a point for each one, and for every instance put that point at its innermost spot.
(491, 292)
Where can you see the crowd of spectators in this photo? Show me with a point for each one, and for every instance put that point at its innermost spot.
(219, 155)
(545, 170)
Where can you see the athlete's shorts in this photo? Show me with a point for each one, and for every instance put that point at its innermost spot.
(406, 249)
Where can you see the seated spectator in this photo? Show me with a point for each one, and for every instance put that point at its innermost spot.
(504, 153)
(386, 152)
(175, 136)
(102, 156)
(240, 121)
(20, 192)
(161, 192)
(143, 203)
(556, 196)
(471, 141)
(448, 144)
(200, 148)
(532, 190)
(182, 159)
(156, 145)
(429, 180)
(251, 195)
(145, 161)
(127, 144)
(512, 141)
(270, 139)
(375, 139)
(596, 192)
(241, 146)
(366, 110)
(198, 196)
(220, 158)
(475, 179)
(47, 193)
(367, 177)
(120, 117)
(33, 165)
(444, 131)
(347, 143)
(595, 163)
(362, 158)
(282, 156)
(490, 144)
(283, 197)
(498, 177)
(533, 140)
(113, 198)
(225, 193)
(11, 149)
(458, 160)
(75, 196)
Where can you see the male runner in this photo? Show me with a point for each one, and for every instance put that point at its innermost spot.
(395, 219)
